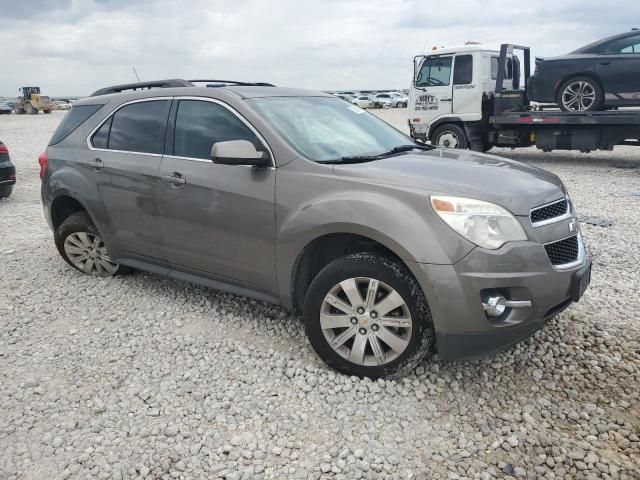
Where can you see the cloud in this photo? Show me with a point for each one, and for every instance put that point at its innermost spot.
(72, 47)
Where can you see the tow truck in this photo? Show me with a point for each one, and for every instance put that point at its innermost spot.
(470, 97)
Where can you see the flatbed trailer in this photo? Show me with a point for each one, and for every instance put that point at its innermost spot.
(472, 109)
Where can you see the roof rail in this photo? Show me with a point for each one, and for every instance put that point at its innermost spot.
(176, 82)
(234, 82)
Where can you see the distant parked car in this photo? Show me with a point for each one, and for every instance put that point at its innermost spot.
(600, 75)
(61, 105)
(7, 172)
(5, 108)
(363, 101)
(400, 99)
(384, 100)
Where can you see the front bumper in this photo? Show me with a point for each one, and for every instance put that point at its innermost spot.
(520, 271)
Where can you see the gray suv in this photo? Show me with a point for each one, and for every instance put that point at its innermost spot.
(389, 249)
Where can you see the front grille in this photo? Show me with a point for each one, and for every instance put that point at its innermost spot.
(547, 212)
(563, 251)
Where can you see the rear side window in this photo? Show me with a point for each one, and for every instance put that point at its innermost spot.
(622, 45)
(201, 124)
(72, 120)
(137, 127)
(463, 70)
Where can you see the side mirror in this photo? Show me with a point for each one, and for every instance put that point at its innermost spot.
(238, 152)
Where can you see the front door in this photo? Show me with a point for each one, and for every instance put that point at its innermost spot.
(432, 98)
(125, 161)
(618, 66)
(219, 219)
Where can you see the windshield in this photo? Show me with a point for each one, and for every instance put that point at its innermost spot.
(328, 129)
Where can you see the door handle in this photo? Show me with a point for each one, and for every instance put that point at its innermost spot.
(604, 63)
(175, 179)
(96, 163)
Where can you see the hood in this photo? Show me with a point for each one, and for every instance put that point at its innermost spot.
(513, 185)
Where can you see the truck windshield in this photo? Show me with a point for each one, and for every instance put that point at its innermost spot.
(329, 129)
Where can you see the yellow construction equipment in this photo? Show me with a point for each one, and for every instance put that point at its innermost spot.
(31, 102)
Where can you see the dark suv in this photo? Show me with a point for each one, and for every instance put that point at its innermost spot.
(388, 248)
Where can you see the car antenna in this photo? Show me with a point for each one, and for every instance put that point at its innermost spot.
(136, 73)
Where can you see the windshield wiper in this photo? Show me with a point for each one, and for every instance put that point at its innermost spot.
(394, 150)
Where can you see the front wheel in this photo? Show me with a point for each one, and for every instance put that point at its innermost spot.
(580, 94)
(80, 245)
(450, 136)
(366, 315)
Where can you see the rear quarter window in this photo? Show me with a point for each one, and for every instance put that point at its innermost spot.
(72, 120)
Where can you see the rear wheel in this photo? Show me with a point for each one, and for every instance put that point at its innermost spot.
(47, 111)
(450, 136)
(366, 315)
(81, 246)
(29, 109)
(580, 94)
(5, 191)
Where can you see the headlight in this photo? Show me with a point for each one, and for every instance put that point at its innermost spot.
(486, 224)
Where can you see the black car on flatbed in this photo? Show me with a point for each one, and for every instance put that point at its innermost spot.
(7, 172)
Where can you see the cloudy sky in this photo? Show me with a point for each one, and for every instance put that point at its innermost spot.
(72, 47)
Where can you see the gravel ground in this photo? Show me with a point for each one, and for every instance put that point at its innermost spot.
(145, 377)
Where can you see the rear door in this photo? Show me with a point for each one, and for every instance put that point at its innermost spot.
(618, 66)
(219, 220)
(433, 96)
(126, 151)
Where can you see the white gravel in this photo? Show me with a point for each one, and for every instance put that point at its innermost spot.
(145, 377)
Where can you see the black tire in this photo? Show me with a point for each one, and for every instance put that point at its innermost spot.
(394, 274)
(590, 85)
(80, 222)
(5, 191)
(445, 135)
(47, 111)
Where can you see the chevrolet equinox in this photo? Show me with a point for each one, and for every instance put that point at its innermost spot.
(389, 249)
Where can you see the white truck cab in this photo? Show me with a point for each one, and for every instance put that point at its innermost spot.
(449, 92)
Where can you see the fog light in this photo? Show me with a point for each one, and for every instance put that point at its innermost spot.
(495, 306)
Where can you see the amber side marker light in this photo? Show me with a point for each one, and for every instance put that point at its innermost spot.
(442, 205)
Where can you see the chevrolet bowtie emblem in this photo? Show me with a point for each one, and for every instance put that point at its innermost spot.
(573, 225)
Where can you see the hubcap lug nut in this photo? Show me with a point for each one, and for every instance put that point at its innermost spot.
(374, 315)
(360, 310)
(353, 320)
(362, 331)
(375, 327)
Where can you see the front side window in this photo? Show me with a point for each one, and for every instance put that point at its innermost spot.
(463, 70)
(434, 72)
(621, 46)
(137, 127)
(200, 124)
(327, 129)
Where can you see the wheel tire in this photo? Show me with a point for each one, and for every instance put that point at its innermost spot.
(419, 338)
(80, 223)
(5, 191)
(450, 136)
(580, 89)
(47, 111)
(30, 110)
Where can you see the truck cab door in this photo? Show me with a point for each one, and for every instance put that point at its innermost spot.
(432, 93)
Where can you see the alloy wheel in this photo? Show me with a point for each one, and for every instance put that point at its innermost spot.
(579, 95)
(366, 321)
(89, 254)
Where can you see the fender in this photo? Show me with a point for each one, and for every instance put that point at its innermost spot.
(374, 215)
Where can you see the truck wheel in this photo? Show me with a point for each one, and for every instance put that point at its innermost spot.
(28, 108)
(80, 245)
(450, 136)
(366, 315)
(47, 111)
(580, 94)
